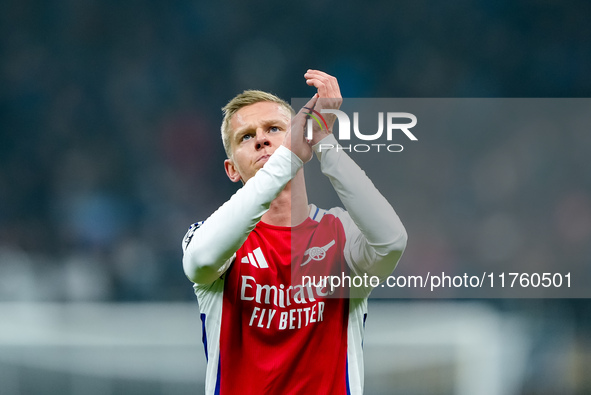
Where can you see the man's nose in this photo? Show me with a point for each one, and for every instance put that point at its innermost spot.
(262, 139)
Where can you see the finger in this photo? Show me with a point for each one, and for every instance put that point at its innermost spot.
(327, 85)
(322, 87)
(304, 113)
(298, 123)
(309, 106)
(327, 79)
(317, 73)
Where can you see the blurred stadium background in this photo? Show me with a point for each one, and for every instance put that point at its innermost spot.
(109, 149)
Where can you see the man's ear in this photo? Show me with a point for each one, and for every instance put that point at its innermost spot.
(231, 170)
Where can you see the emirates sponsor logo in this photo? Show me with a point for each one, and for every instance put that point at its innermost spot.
(280, 296)
(272, 304)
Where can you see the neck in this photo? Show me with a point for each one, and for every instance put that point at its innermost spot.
(290, 207)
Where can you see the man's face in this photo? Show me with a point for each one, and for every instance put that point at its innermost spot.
(257, 131)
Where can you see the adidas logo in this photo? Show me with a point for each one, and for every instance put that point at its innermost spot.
(256, 259)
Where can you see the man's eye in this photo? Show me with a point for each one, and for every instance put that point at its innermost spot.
(246, 137)
(274, 129)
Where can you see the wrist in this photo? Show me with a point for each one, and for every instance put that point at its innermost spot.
(319, 136)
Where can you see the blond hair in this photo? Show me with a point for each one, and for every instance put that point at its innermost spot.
(244, 99)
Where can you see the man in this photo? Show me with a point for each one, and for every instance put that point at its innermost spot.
(264, 331)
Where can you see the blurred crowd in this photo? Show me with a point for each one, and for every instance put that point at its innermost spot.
(110, 114)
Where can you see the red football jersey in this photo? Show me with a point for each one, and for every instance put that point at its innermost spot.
(266, 332)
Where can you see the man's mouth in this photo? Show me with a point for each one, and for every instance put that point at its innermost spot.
(263, 158)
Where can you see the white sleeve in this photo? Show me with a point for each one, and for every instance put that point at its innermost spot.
(210, 246)
(375, 235)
